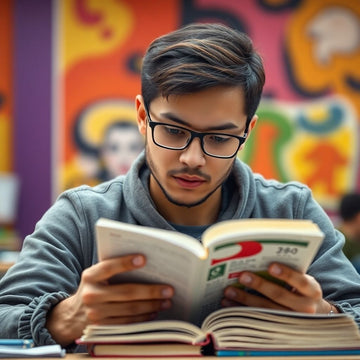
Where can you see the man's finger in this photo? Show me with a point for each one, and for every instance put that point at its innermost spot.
(119, 293)
(302, 283)
(101, 312)
(105, 269)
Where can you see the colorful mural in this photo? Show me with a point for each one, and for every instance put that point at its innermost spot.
(323, 49)
(6, 96)
(309, 117)
(314, 142)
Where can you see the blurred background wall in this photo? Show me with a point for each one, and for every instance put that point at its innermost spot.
(70, 70)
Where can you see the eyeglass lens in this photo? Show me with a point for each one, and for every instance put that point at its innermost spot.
(213, 143)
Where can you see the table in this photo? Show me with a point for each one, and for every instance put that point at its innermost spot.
(87, 357)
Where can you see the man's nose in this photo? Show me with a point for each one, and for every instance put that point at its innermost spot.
(193, 155)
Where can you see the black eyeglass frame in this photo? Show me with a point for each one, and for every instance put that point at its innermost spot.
(195, 134)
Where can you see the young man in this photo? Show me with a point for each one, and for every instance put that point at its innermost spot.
(201, 86)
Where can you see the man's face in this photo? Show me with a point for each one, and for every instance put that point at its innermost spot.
(120, 149)
(189, 177)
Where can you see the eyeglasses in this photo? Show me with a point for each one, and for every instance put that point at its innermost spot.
(173, 137)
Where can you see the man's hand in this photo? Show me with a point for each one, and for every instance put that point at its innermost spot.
(98, 302)
(305, 294)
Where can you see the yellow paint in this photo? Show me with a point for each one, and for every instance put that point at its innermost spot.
(99, 117)
(342, 140)
(110, 23)
(5, 145)
(318, 114)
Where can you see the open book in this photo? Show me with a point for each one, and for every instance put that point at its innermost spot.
(238, 330)
(199, 271)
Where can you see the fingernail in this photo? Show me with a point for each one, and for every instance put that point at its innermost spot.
(138, 260)
(230, 293)
(275, 269)
(167, 292)
(245, 279)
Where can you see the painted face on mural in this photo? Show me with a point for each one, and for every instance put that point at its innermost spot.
(120, 148)
(189, 177)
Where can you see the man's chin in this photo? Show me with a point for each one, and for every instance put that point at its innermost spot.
(180, 201)
(186, 201)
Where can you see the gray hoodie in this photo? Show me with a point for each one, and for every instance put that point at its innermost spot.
(63, 243)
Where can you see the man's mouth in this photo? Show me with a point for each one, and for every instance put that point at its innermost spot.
(188, 181)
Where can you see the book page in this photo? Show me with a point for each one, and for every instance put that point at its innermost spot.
(156, 331)
(167, 262)
(254, 248)
(258, 328)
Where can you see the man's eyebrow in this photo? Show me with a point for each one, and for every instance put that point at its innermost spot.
(172, 117)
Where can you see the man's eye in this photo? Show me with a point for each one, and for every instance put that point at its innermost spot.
(218, 139)
(174, 131)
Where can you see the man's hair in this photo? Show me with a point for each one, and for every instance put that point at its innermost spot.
(200, 56)
(349, 206)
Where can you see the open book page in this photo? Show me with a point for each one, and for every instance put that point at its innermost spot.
(238, 328)
(199, 275)
(253, 244)
(246, 327)
(152, 331)
(178, 261)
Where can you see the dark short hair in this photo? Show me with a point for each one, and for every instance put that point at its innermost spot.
(201, 56)
(349, 206)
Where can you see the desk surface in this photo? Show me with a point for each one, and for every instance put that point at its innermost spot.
(87, 357)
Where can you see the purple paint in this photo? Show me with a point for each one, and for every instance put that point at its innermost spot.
(32, 109)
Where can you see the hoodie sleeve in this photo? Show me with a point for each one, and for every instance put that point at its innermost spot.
(48, 270)
(339, 280)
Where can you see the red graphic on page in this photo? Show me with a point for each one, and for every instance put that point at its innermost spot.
(247, 248)
(234, 275)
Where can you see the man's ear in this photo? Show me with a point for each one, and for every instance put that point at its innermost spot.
(140, 114)
(250, 127)
(252, 123)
